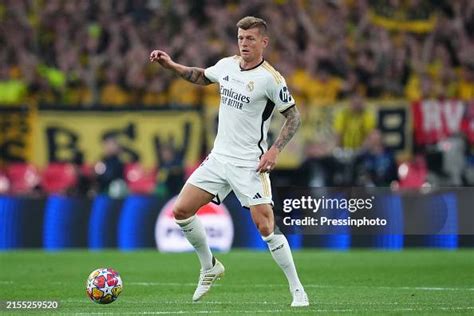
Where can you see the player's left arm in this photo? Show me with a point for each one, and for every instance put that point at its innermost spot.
(289, 129)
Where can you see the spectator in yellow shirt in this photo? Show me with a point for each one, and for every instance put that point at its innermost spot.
(12, 90)
(155, 93)
(466, 84)
(112, 93)
(353, 123)
(325, 89)
(421, 87)
(182, 92)
(211, 96)
(300, 83)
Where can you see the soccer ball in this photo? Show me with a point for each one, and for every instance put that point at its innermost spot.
(104, 285)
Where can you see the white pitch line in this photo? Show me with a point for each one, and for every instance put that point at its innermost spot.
(424, 288)
(163, 283)
(294, 311)
(192, 312)
(241, 302)
(420, 288)
(305, 310)
(409, 288)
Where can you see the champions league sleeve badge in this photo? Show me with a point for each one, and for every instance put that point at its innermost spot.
(285, 95)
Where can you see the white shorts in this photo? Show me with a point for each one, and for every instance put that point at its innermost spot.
(219, 178)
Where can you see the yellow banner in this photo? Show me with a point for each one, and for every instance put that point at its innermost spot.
(404, 25)
(70, 135)
(15, 134)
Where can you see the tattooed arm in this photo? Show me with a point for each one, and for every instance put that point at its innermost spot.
(191, 74)
(292, 123)
(289, 129)
(194, 75)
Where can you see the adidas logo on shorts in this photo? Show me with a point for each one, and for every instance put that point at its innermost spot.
(257, 196)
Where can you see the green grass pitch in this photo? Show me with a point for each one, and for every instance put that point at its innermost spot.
(421, 282)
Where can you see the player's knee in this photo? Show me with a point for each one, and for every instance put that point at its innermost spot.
(181, 212)
(265, 228)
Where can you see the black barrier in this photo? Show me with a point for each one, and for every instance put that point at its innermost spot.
(21, 221)
(444, 212)
(137, 222)
(392, 212)
(103, 222)
(337, 239)
(376, 217)
(65, 222)
(443, 218)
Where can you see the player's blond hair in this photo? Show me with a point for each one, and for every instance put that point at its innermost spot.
(250, 22)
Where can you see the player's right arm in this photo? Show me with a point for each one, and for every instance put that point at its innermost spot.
(191, 74)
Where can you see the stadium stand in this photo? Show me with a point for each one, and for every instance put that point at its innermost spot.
(138, 179)
(59, 178)
(24, 178)
(395, 49)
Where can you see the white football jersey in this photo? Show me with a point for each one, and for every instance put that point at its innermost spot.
(248, 100)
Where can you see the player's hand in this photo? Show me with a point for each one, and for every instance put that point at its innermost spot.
(268, 160)
(162, 58)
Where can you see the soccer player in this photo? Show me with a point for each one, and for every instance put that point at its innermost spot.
(251, 89)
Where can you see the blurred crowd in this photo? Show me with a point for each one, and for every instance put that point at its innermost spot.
(96, 52)
(111, 175)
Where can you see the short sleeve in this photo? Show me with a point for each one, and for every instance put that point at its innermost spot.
(279, 94)
(212, 73)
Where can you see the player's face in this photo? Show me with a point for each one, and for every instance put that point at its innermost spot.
(251, 44)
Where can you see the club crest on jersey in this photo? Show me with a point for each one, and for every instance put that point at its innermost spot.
(285, 95)
(250, 86)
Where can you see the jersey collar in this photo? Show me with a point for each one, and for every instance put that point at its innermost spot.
(242, 69)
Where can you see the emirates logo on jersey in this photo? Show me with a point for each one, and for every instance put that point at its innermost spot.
(232, 98)
(250, 86)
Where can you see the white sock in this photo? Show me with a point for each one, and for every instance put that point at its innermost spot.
(281, 253)
(195, 233)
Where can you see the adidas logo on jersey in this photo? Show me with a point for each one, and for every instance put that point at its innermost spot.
(257, 196)
(226, 78)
